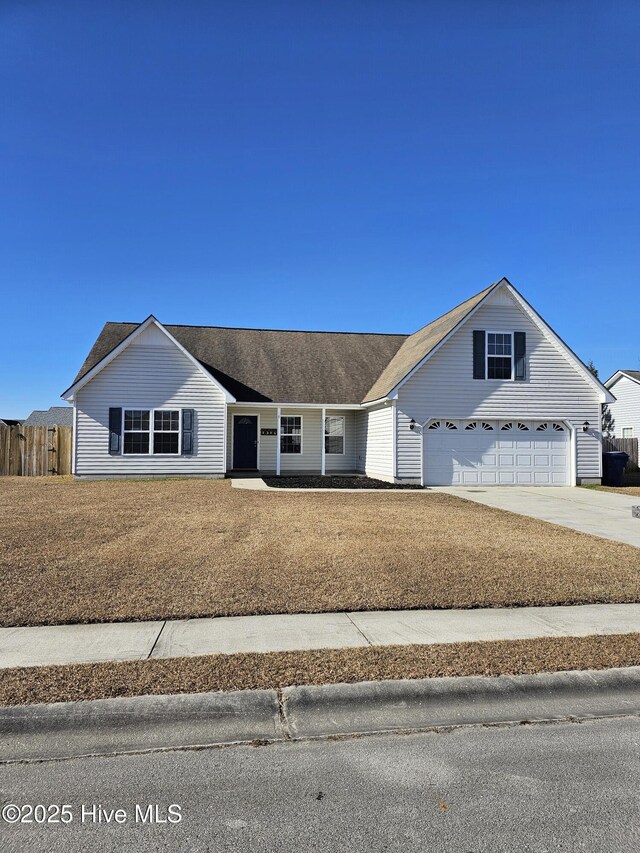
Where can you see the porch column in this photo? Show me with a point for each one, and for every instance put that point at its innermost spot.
(322, 456)
(278, 410)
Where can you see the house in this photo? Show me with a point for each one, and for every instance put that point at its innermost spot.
(625, 384)
(10, 422)
(486, 394)
(54, 416)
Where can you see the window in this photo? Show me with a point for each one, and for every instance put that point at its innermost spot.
(166, 432)
(499, 355)
(136, 431)
(627, 432)
(140, 438)
(334, 435)
(291, 434)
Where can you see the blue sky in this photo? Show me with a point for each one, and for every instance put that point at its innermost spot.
(330, 165)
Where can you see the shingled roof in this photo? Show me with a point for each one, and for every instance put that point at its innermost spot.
(263, 365)
(54, 416)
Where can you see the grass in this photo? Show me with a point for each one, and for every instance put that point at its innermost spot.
(80, 551)
(622, 490)
(280, 669)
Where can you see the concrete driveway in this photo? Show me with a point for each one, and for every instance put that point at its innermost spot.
(589, 510)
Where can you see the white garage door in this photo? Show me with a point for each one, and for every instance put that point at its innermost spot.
(496, 453)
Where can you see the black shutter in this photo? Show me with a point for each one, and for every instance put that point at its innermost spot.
(188, 429)
(520, 352)
(115, 431)
(478, 354)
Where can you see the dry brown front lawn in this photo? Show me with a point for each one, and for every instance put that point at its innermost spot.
(622, 490)
(78, 551)
(274, 670)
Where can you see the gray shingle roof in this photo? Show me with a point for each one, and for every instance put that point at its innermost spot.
(55, 416)
(264, 365)
(634, 374)
(260, 365)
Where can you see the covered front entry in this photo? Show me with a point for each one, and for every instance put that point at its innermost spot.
(245, 442)
(501, 453)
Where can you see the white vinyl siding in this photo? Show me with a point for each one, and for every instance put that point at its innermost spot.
(375, 442)
(626, 409)
(309, 461)
(444, 388)
(151, 373)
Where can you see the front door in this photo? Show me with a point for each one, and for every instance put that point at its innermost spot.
(245, 442)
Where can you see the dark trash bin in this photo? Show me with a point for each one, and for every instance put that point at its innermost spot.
(613, 467)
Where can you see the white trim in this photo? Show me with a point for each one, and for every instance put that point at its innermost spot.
(394, 438)
(225, 437)
(243, 415)
(487, 357)
(324, 435)
(74, 439)
(150, 432)
(377, 402)
(323, 451)
(68, 394)
(283, 404)
(291, 433)
(278, 413)
(600, 462)
(617, 376)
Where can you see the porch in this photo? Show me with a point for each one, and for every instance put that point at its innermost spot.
(303, 439)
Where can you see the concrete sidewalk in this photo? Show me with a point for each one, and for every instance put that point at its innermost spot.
(68, 644)
(592, 511)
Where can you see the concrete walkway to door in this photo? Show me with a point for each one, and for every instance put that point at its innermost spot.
(588, 510)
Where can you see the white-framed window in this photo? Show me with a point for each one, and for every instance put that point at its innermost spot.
(499, 355)
(334, 435)
(627, 432)
(291, 434)
(151, 431)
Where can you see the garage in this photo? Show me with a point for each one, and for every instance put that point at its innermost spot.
(497, 453)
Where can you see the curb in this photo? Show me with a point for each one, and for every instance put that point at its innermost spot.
(471, 700)
(144, 723)
(108, 726)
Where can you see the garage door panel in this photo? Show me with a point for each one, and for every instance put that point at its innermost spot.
(496, 453)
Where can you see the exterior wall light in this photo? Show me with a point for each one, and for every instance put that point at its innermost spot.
(412, 424)
(585, 426)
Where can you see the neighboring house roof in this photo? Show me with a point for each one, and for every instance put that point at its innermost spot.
(263, 365)
(55, 416)
(630, 374)
(420, 344)
(11, 421)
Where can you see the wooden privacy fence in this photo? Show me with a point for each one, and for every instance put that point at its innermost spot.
(35, 451)
(630, 446)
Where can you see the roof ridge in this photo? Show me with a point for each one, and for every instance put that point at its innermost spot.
(260, 329)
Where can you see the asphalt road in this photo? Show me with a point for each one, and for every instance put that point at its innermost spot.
(528, 788)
